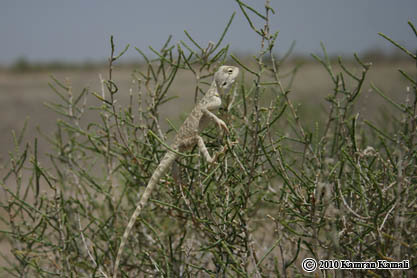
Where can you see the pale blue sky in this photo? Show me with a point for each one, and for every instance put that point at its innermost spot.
(76, 30)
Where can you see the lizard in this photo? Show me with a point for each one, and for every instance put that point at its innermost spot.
(187, 137)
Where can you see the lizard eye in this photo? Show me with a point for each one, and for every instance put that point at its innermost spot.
(230, 70)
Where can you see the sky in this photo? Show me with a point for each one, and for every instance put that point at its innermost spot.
(79, 30)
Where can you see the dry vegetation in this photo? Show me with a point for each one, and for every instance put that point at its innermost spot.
(320, 163)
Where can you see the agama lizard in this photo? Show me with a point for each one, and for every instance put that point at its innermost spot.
(187, 137)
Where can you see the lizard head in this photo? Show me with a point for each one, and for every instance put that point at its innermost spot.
(225, 76)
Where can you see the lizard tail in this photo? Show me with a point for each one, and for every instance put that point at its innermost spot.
(160, 170)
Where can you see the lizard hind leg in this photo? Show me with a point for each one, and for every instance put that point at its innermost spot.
(203, 149)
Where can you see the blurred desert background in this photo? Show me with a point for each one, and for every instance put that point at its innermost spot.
(24, 92)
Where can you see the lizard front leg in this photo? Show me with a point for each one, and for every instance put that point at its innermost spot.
(218, 121)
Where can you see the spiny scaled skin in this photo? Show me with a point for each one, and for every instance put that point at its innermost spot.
(187, 137)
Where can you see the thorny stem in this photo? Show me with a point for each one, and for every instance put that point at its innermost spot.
(111, 86)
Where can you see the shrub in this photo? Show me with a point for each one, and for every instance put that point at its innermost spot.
(282, 191)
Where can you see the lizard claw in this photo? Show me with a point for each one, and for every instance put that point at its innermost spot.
(222, 125)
